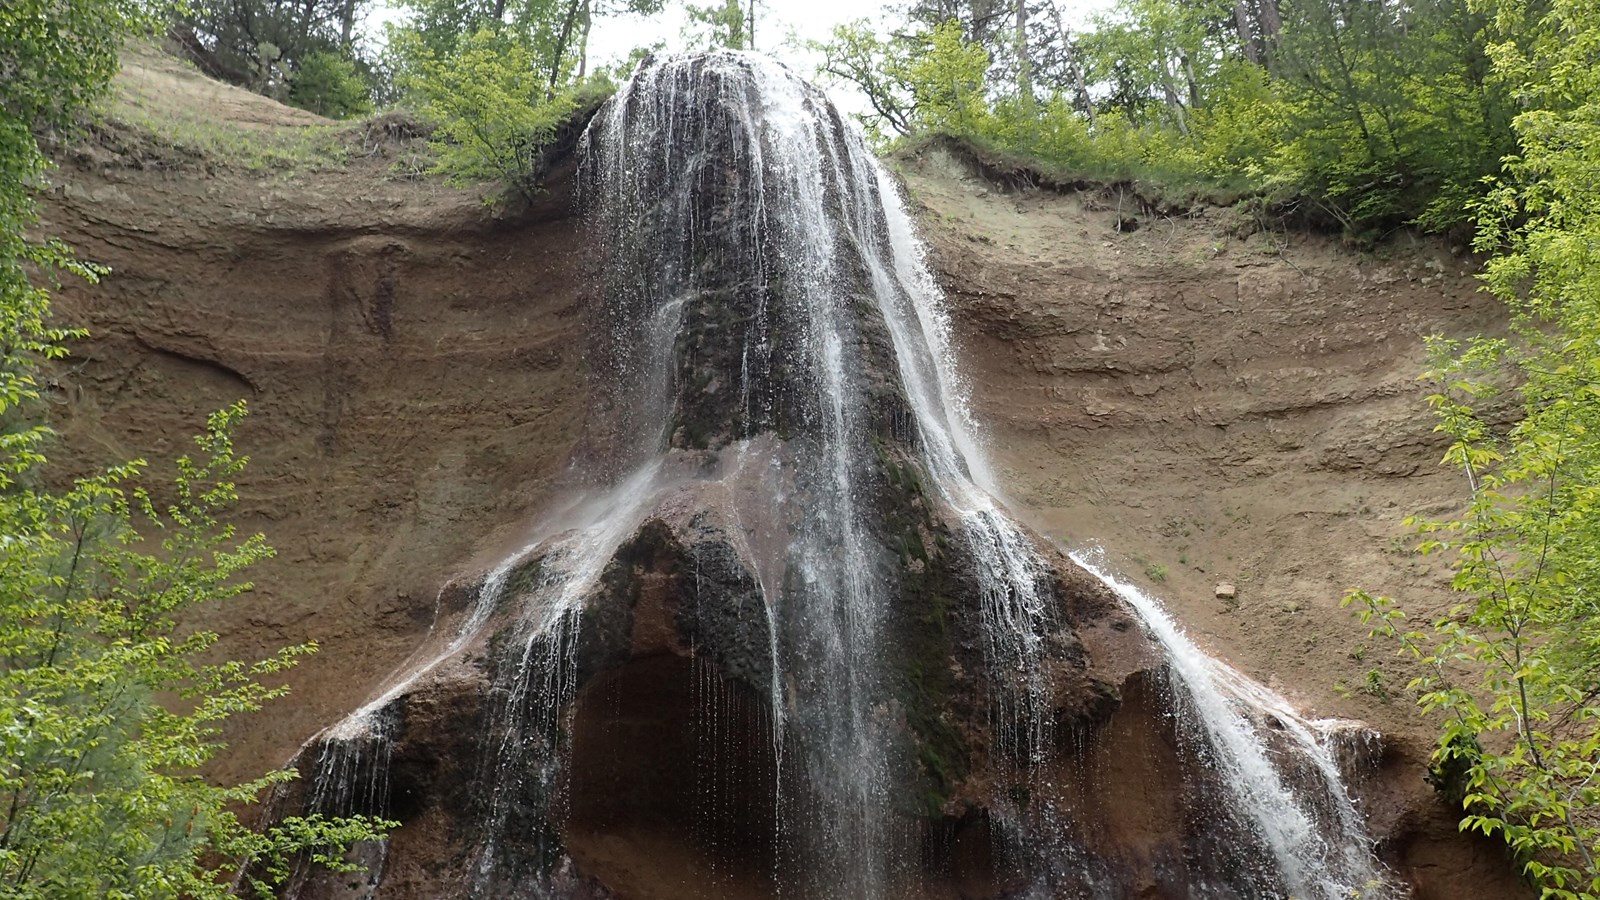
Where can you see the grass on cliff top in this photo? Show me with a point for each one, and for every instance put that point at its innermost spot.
(165, 113)
(1157, 184)
(1154, 188)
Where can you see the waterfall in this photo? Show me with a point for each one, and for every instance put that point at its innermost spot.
(777, 392)
(1315, 836)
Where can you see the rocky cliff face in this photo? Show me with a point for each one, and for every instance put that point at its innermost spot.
(422, 377)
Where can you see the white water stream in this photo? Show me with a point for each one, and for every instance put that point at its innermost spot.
(821, 216)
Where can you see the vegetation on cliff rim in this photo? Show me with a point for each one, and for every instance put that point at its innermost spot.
(1371, 115)
(107, 711)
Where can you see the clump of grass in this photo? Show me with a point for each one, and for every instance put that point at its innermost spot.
(192, 137)
(1373, 685)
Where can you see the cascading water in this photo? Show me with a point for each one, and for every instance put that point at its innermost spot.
(1315, 835)
(792, 497)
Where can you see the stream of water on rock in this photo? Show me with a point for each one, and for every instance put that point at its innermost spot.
(776, 344)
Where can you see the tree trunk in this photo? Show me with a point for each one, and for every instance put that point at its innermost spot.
(1247, 36)
(1194, 83)
(347, 24)
(292, 43)
(1169, 88)
(1081, 99)
(733, 16)
(583, 40)
(1024, 65)
(1271, 26)
(562, 42)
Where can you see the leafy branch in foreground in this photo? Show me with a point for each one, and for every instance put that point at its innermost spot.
(108, 706)
(1511, 670)
(100, 793)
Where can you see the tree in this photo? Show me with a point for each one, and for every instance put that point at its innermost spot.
(1161, 57)
(99, 787)
(1513, 668)
(553, 34)
(262, 45)
(329, 85)
(492, 107)
(716, 25)
(105, 714)
(855, 54)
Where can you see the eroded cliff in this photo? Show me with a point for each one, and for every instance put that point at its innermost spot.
(1212, 404)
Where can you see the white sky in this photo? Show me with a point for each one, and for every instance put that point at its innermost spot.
(782, 28)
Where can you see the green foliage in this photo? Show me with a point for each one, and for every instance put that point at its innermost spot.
(947, 79)
(106, 710)
(56, 58)
(926, 81)
(266, 45)
(498, 78)
(329, 85)
(717, 25)
(1511, 668)
(492, 107)
(855, 54)
(1376, 115)
(99, 782)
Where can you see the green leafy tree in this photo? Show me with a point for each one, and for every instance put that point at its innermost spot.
(1513, 669)
(493, 108)
(553, 34)
(716, 25)
(105, 712)
(1162, 56)
(1394, 115)
(264, 45)
(99, 787)
(498, 78)
(878, 67)
(1371, 115)
(947, 80)
(330, 85)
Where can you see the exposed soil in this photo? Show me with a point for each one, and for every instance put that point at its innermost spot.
(1208, 406)
(409, 357)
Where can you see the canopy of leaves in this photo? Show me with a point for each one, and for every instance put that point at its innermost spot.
(330, 85)
(498, 78)
(1374, 114)
(493, 107)
(272, 46)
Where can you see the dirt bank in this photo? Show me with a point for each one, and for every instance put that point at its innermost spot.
(409, 357)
